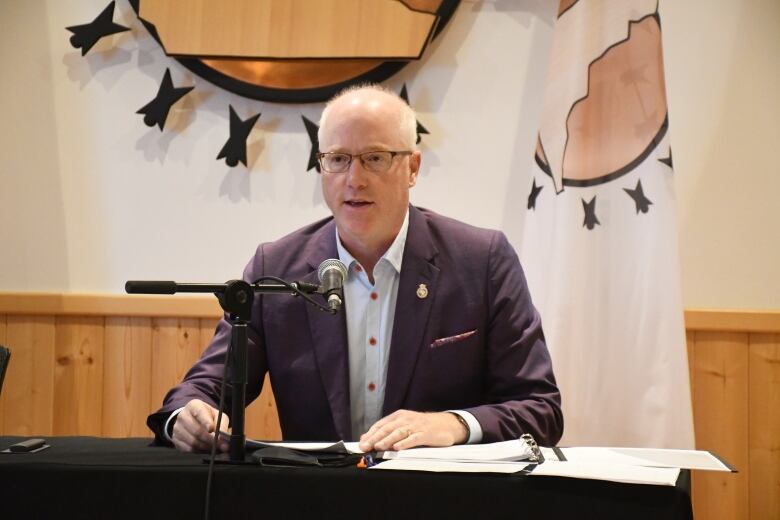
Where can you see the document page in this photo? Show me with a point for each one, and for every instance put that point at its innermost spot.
(448, 466)
(608, 471)
(687, 459)
(515, 449)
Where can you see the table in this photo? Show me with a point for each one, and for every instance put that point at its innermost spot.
(89, 477)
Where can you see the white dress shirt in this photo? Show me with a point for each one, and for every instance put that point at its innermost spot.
(370, 312)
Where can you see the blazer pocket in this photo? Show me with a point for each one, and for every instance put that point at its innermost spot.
(452, 339)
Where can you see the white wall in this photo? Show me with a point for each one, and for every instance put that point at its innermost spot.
(723, 83)
(91, 197)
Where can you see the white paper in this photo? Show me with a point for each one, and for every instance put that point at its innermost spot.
(515, 449)
(548, 453)
(608, 471)
(661, 458)
(451, 466)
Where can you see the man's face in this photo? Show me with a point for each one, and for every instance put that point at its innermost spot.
(369, 207)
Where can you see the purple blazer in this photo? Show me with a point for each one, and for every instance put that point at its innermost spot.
(474, 343)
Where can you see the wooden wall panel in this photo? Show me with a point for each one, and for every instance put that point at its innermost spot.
(126, 377)
(764, 409)
(720, 395)
(29, 383)
(78, 375)
(176, 345)
(262, 414)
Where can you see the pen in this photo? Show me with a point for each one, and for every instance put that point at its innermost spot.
(367, 460)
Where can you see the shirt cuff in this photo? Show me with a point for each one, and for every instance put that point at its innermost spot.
(168, 429)
(475, 430)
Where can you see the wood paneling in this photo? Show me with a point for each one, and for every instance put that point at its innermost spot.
(764, 413)
(720, 395)
(176, 345)
(126, 382)
(78, 375)
(45, 304)
(28, 391)
(98, 365)
(261, 416)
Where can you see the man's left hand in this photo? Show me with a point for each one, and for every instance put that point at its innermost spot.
(404, 429)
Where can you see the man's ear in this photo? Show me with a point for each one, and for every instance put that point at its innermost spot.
(414, 167)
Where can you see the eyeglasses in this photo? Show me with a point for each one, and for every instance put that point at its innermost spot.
(377, 162)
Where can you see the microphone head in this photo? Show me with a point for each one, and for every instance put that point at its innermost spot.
(330, 265)
(332, 274)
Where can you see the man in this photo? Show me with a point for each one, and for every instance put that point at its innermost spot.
(439, 342)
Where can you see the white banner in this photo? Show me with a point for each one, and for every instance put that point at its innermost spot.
(600, 239)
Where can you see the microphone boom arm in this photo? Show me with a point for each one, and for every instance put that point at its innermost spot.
(236, 298)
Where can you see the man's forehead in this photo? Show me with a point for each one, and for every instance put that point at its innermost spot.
(364, 106)
(365, 122)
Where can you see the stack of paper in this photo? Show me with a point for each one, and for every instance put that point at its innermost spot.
(628, 465)
(497, 457)
(513, 450)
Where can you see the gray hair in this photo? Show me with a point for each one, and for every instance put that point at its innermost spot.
(408, 128)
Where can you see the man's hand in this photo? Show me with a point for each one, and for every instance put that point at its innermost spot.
(404, 429)
(195, 425)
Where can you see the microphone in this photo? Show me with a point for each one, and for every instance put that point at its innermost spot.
(332, 274)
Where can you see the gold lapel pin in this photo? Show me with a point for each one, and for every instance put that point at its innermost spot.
(422, 291)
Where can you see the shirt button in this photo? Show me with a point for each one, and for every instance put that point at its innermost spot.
(374, 296)
(371, 387)
(358, 268)
(372, 341)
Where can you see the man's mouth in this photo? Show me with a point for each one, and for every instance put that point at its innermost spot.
(357, 203)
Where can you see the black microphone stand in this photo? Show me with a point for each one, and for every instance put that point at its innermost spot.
(236, 298)
(236, 301)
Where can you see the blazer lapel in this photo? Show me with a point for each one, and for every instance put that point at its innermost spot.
(329, 338)
(412, 310)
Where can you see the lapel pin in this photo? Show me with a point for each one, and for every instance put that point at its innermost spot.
(422, 291)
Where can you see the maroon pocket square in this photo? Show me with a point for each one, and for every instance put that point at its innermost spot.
(452, 339)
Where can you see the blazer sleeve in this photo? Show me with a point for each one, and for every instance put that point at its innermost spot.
(203, 380)
(520, 388)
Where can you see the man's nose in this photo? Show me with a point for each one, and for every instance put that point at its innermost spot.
(357, 176)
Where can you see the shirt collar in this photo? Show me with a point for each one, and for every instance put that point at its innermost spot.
(394, 254)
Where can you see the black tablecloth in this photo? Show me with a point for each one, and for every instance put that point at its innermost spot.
(86, 477)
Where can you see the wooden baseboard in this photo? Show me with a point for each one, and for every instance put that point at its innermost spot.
(52, 304)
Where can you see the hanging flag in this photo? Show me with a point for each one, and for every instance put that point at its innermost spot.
(600, 241)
